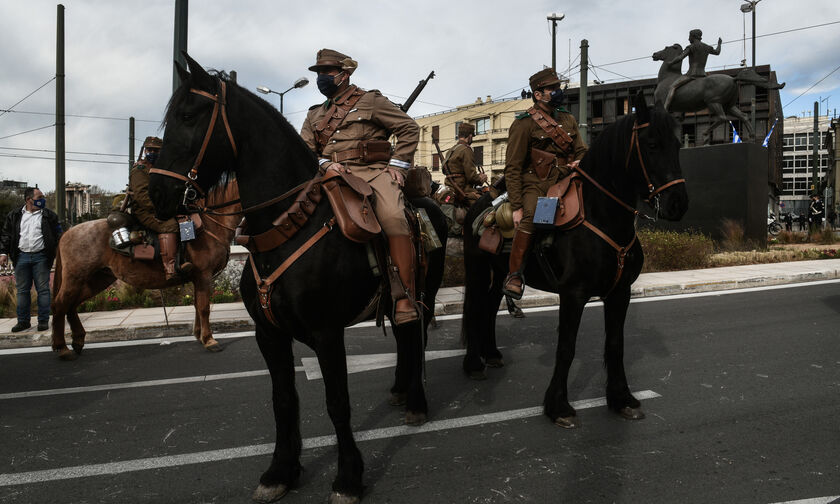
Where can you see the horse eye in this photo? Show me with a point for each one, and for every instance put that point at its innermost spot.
(651, 145)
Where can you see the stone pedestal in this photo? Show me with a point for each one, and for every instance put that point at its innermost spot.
(724, 182)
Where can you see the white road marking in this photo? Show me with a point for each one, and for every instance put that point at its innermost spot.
(355, 364)
(815, 500)
(456, 316)
(359, 363)
(83, 471)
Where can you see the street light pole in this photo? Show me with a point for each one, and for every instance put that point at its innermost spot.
(298, 84)
(553, 17)
(750, 7)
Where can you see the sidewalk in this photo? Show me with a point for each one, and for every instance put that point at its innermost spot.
(140, 323)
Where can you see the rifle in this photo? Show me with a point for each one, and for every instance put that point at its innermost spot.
(414, 94)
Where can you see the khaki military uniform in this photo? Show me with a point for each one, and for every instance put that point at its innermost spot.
(463, 173)
(141, 204)
(373, 117)
(523, 184)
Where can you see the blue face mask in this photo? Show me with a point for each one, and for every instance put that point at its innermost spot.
(40, 202)
(327, 85)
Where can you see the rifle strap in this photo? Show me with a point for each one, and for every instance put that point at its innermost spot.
(551, 128)
(335, 115)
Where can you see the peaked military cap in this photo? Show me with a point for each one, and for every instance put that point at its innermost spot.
(543, 78)
(465, 129)
(152, 142)
(330, 58)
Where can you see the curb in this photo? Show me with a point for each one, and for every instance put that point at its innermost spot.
(537, 299)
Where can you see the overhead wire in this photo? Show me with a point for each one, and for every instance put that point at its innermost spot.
(27, 96)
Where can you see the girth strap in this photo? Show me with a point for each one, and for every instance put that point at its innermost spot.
(265, 285)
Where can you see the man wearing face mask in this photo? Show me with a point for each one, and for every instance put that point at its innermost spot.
(544, 145)
(30, 237)
(350, 131)
(144, 211)
(461, 163)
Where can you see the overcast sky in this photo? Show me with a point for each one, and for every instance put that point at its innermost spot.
(118, 58)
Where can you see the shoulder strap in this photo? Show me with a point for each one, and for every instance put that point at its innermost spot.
(325, 129)
(552, 129)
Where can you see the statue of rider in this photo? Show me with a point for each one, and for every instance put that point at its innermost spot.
(697, 52)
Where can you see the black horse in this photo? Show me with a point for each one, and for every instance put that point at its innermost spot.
(220, 129)
(637, 155)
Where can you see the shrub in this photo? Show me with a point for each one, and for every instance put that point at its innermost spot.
(790, 237)
(733, 235)
(669, 250)
(823, 236)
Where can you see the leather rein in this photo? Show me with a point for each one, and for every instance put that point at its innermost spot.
(653, 192)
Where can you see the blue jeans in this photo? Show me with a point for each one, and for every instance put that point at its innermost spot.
(29, 267)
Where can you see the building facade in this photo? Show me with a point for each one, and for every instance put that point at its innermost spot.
(798, 166)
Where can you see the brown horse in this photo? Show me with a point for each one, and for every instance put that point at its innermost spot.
(86, 265)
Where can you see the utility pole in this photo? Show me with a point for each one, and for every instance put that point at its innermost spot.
(59, 115)
(181, 9)
(554, 17)
(815, 151)
(130, 143)
(584, 99)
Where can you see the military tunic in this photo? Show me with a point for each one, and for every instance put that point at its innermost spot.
(141, 204)
(524, 186)
(373, 117)
(463, 173)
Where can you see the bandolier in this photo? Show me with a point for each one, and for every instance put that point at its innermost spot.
(544, 145)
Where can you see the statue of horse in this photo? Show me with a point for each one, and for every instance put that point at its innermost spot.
(213, 127)
(86, 265)
(638, 155)
(717, 92)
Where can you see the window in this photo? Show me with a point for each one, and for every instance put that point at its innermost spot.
(457, 127)
(435, 161)
(436, 133)
(478, 156)
(482, 126)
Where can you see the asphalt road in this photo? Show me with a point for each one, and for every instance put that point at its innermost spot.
(743, 407)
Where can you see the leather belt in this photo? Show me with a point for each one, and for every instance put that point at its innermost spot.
(338, 157)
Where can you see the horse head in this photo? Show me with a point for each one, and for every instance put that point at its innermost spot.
(655, 155)
(666, 55)
(198, 145)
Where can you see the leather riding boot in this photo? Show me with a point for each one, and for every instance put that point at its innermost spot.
(402, 258)
(182, 266)
(168, 251)
(514, 284)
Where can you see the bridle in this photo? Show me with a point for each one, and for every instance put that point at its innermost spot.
(653, 192)
(192, 190)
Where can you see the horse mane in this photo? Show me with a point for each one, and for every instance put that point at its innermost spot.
(274, 116)
(225, 190)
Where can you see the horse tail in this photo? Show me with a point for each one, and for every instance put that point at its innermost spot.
(56, 276)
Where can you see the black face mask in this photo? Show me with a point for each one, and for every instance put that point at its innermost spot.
(327, 85)
(151, 157)
(556, 98)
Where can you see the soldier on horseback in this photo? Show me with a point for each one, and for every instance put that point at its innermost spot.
(350, 132)
(144, 211)
(463, 175)
(544, 145)
(697, 52)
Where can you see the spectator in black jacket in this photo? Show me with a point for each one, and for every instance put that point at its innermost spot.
(30, 238)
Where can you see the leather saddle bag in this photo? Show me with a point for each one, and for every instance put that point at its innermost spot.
(569, 194)
(143, 252)
(491, 240)
(350, 197)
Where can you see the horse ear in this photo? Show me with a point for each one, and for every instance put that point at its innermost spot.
(642, 112)
(182, 72)
(200, 77)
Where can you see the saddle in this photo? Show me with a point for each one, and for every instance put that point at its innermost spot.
(562, 208)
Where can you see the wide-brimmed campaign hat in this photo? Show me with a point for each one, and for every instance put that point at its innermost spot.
(544, 78)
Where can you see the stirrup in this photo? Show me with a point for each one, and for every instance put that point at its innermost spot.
(506, 286)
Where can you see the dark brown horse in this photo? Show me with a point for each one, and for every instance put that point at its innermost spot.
(636, 156)
(213, 127)
(86, 265)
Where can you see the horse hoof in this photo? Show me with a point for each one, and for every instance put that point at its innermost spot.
(340, 498)
(477, 375)
(629, 413)
(398, 399)
(66, 354)
(264, 494)
(495, 362)
(412, 418)
(571, 422)
(213, 346)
